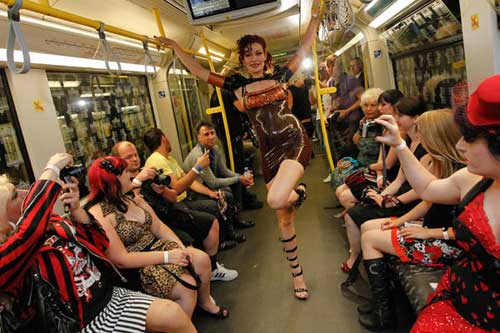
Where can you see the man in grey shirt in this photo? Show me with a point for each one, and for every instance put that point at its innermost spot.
(217, 176)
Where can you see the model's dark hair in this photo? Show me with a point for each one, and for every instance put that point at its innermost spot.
(410, 106)
(471, 133)
(391, 96)
(245, 42)
(203, 123)
(152, 138)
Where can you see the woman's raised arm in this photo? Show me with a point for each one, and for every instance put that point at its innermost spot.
(308, 39)
(192, 65)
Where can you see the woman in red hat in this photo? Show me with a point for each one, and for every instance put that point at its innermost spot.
(467, 298)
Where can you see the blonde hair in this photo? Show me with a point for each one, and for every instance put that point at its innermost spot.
(439, 134)
(330, 60)
(369, 95)
(5, 194)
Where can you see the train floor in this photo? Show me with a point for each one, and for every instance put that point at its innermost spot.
(261, 299)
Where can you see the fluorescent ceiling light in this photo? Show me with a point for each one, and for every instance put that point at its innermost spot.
(94, 35)
(177, 71)
(65, 61)
(350, 43)
(390, 12)
(370, 5)
(307, 63)
(212, 54)
(66, 84)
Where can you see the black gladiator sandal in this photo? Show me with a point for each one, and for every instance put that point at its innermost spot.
(294, 266)
(301, 193)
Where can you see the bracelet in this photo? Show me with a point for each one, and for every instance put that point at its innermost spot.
(195, 170)
(446, 236)
(380, 177)
(198, 167)
(137, 182)
(165, 257)
(401, 146)
(53, 168)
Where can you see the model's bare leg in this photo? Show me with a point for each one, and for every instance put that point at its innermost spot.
(282, 197)
(281, 190)
(166, 316)
(354, 237)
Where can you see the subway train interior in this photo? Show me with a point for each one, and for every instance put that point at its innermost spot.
(93, 78)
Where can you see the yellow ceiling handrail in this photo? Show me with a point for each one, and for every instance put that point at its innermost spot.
(45, 9)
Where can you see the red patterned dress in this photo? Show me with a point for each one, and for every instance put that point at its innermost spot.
(467, 299)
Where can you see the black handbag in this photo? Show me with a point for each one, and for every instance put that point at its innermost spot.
(42, 306)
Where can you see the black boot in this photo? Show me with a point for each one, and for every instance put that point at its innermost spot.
(382, 317)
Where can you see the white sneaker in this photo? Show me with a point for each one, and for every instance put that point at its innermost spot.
(222, 273)
(328, 179)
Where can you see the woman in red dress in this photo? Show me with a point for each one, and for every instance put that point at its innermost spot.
(467, 299)
(283, 142)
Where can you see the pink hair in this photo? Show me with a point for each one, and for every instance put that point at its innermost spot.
(104, 183)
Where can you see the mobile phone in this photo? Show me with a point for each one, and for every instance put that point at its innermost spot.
(412, 224)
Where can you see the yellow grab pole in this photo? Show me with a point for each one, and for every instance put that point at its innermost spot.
(156, 13)
(221, 105)
(319, 93)
(181, 102)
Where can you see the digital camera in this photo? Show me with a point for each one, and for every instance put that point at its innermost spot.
(371, 129)
(76, 171)
(159, 179)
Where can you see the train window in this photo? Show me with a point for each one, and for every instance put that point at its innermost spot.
(13, 156)
(189, 97)
(95, 111)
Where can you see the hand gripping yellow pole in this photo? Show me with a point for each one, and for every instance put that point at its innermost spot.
(181, 103)
(221, 106)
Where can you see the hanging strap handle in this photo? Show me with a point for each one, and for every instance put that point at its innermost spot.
(148, 60)
(108, 51)
(15, 32)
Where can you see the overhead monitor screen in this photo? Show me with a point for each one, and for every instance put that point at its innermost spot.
(210, 11)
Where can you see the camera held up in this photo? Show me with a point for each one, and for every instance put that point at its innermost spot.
(76, 171)
(159, 179)
(371, 129)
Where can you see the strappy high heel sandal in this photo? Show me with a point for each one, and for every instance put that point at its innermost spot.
(301, 193)
(295, 266)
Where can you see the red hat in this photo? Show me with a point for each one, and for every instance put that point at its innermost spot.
(483, 108)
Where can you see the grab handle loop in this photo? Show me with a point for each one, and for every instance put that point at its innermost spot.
(15, 32)
(108, 51)
(148, 60)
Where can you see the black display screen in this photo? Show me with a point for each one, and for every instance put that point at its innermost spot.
(206, 8)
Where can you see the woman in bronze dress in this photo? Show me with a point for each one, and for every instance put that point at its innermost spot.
(284, 145)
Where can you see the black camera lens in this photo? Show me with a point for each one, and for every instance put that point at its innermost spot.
(161, 179)
(72, 171)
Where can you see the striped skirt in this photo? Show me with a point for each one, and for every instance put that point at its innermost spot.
(125, 312)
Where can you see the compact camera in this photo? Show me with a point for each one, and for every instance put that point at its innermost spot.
(371, 129)
(76, 171)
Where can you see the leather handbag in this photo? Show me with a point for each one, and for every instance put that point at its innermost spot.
(255, 98)
(38, 308)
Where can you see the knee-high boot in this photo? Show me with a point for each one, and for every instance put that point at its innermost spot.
(382, 317)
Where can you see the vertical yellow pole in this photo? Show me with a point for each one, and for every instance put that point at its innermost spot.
(221, 105)
(185, 122)
(319, 94)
